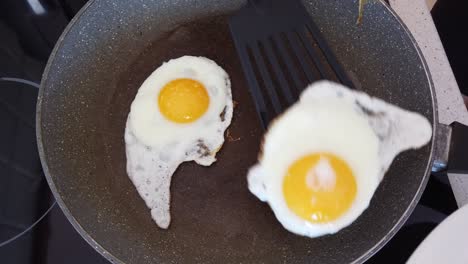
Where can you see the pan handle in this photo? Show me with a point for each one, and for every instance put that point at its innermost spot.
(451, 158)
(457, 166)
(458, 153)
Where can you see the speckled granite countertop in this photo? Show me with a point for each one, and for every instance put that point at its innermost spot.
(449, 100)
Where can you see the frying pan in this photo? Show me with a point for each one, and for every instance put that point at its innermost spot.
(97, 66)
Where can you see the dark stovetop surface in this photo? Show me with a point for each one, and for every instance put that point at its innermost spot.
(28, 31)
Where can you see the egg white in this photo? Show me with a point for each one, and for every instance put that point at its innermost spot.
(156, 146)
(365, 132)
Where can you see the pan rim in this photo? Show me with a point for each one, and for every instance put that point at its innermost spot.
(113, 259)
(58, 198)
(397, 226)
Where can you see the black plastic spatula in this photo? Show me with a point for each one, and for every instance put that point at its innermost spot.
(281, 51)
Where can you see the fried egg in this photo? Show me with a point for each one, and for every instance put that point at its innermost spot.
(322, 160)
(179, 114)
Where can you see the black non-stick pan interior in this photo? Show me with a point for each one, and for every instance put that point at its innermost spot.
(93, 76)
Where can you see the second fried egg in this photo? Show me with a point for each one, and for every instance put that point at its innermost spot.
(323, 159)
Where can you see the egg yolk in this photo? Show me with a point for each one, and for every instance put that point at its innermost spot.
(183, 100)
(319, 187)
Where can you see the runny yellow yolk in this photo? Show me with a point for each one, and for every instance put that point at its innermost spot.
(319, 187)
(183, 100)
